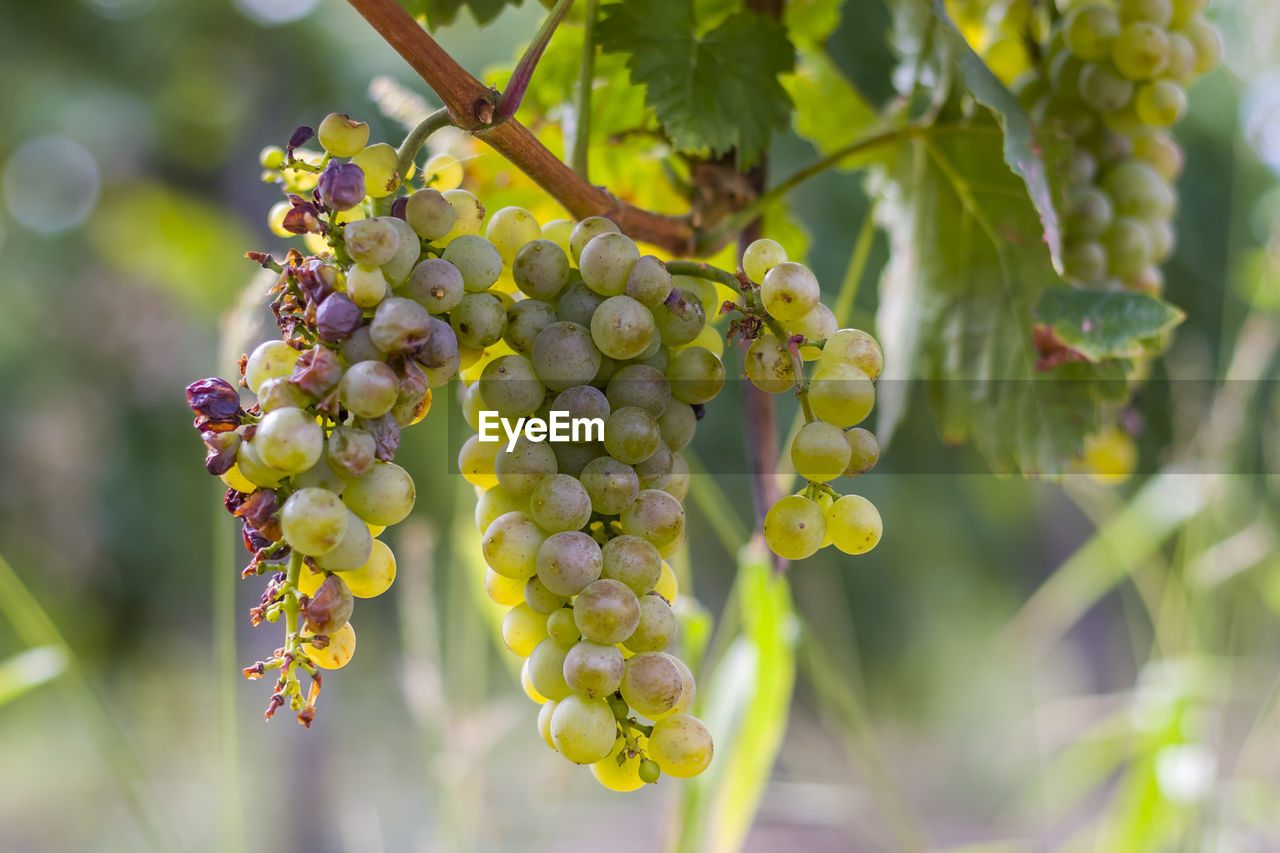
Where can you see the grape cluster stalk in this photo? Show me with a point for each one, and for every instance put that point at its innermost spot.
(406, 287)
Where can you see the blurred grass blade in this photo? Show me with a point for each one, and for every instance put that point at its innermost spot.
(36, 629)
(746, 707)
(714, 504)
(28, 670)
(848, 295)
(1155, 513)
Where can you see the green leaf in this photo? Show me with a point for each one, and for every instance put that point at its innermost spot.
(748, 700)
(1100, 324)
(439, 13)
(829, 112)
(712, 92)
(811, 22)
(1023, 148)
(967, 266)
(29, 669)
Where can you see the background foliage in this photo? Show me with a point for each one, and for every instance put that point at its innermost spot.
(1019, 664)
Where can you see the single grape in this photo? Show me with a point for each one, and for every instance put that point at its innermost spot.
(269, 360)
(677, 425)
(468, 214)
(667, 586)
(271, 157)
(541, 599)
(564, 355)
(544, 723)
(350, 451)
(368, 389)
(853, 524)
(761, 256)
(649, 282)
(578, 304)
(511, 228)
(651, 683)
(566, 562)
(313, 521)
(633, 561)
(855, 347)
(479, 320)
(1161, 153)
(477, 461)
(1207, 43)
(397, 269)
(820, 452)
(841, 394)
(641, 386)
(574, 457)
(1089, 213)
(681, 745)
(1128, 247)
(523, 628)
(769, 365)
(337, 652)
(696, 375)
(657, 626)
(1182, 59)
(562, 628)
(289, 440)
(611, 485)
(1090, 30)
(477, 260)
(510, 386)
(678, 483)
(359, 347)
(631, 435)
(429, 214)
(527, 684)
(583, 730)
(352, 551)
(607, 611)
(378, 161)
(560, 502)
(585, 231)
(593, 670)
(679, 319)
(375, 576)
(620, 776)
(399, 325)
(1158, 12)
(622, 327)
(1103, 88)
(436, 285)
(341, 136)
(366, 286)
(540, 269)
(655, 516)
(655, 472)
(794, 527)
(547, 670)
(1141, 50)
(818, 325)
(1161, 103)
(442, 172)
(1085, 262)
(606, 263)
(382, 495)
(526, 463)
(1161, 237)
(789, 291)
(582, 401)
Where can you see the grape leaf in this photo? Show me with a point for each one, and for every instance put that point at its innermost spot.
(830, 112)
(1023, 149)
(1107, 323)
(712, 92)
(440, 13)
(967, 267)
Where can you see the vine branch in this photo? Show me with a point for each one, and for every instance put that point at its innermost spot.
(472, 107)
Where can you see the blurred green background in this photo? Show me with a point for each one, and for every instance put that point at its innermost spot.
(978, 679)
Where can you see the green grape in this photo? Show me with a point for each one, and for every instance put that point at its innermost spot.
(700, 289)
(622, 327)
(657, 626)
(1082, 169)
(1064, 80)
(560, 502)
(547, 670)
(651, 683)
(439, 356)
(1149, 280)
(853, 524)
(375, 576)
(524, 320)
(631, 435)
(271, 157)
(611, 485)
(313, 521)
(429, 214)
(566, 562)
(607, 612)
(677, 425)
(1103, 89)
(573, 457)
(583, 730)
(562, 628)
(841, 394)
(696, 375)
(667, 586)
(761, 256)
(1128, 247)
(399, 325)
(655, 472)
(606, 263)
(339, 651)
(544, 722)
(497, 502)
(378, 161)
(366, 286)
(1207, 43)
(468, 214)
(1141, 50)
(587, 230)
(1162, 153)
(649, 282)
(289, 440)
(1090, 30)
(1182, 59)
(511, 228)
(1161, 103)
(649, 771)
(639, 385)
(477, 461)
(679, 319)
(1158, 12)
(350, 451)
(540, 269)
(1085, 262)
(678, 483)
(541, 599)
(855, 347)
(608, 367)
(278, 393)
(479, 320)
(526, 683)
(769, 365)
(523, 629)
(382, 495)
(818, 325)
(1161, 238)
(321, 475)
(526, 463)
(442, 171)
(624, 776)
(655, 516)
(558, 231)
(688, 689)
(477, 260)
(789, 291)
(269, 360)
(397, 269)
(352, 551)
(510, 385)
(563, 356)
(1089, 213)
(359, 347)
(368, 389)
(341, 136)
(582, 401)
(681, 745)
(593, 670)
(1184, 10)
(794, 527)
(633, 561)
(578, 303)
(820, 452)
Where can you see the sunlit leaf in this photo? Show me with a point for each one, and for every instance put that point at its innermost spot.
(1106, 324)
(29, 669)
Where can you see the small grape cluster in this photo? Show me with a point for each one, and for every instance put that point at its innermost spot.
(575, 532)
(1114, 80)
(791, 326)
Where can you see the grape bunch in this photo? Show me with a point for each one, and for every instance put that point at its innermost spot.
(788, 326)
(1114, 79)
(572, 319)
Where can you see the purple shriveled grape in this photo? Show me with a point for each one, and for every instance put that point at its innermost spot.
(220, 451)
(341, 185)
(337, 317)
(330, 608)
(386, 435)
(215, 399)
(317, 371)
(315, 279)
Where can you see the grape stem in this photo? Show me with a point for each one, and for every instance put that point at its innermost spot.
(511, 97)
(582, 108)
(417, 137)
(698, 269)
